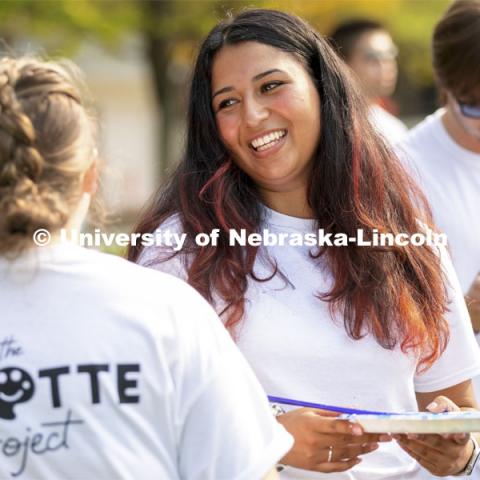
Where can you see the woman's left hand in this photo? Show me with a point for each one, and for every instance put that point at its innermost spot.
(441, 455)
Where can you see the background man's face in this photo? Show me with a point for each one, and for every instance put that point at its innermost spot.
(374, 62)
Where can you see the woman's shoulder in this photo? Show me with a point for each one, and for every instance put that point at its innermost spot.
(122, 274)
(163, 237)
(172, 223)
(164, 251)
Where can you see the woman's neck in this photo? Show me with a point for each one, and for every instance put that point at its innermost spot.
(293, 203)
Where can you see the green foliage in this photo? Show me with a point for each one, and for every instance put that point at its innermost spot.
(63, 24)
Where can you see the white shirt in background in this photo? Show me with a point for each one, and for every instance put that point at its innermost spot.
(297, 351)
(391, 128)
(450, 177)
(112, 371)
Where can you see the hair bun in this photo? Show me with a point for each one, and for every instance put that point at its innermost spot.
(29, 208)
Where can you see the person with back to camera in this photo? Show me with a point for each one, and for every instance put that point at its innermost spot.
(444, 149)
(368, 49)
(107, 370)
(278, 138)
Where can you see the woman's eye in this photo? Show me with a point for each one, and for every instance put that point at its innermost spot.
(267, 87)
(226, 103)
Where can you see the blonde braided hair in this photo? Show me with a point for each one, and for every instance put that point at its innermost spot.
(46, 145)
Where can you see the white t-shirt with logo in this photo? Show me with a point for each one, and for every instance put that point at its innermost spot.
(112, 371)
(391, 128)
(297, 351)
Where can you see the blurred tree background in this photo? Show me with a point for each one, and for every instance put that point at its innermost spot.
(172, 29)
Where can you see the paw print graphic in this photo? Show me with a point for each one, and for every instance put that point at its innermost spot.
(16, 386)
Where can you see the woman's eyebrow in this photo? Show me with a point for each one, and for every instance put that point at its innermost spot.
(264, 74)
(254, 79)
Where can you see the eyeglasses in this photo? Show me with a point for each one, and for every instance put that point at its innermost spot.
(470, 111)
(380, 55)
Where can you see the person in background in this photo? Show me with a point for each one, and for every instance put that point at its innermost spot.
(368, 49)
(444, 149)
(107, 370)
(278, 139)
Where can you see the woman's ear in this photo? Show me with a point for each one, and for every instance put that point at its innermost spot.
(90, 180)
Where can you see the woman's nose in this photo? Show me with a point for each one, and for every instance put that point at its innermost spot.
(255, 112)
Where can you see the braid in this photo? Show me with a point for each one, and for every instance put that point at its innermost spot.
(39, 134)
(18, 155)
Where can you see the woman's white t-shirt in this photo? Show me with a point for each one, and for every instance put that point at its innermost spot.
(297, 351)
(111, 371)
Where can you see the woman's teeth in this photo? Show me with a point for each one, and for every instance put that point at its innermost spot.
(267, 141)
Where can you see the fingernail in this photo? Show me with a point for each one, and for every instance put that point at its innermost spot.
(384, 437)
(412, 436)
(432, 405)
(372, 447)
(357, 430)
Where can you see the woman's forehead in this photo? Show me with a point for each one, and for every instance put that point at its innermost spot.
(246, 60)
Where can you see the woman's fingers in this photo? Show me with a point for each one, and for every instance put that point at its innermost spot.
(442, 404)
(326, 413)
(440, 441)
(422, 460)
(431, 441)
(324, 424)
(420, 449)
(336, 466)
(340, 453)
(441, 455)
(437, 454)
(460, 438)
(434, 441)
(346, 431)
(325, 443)
(335, 439)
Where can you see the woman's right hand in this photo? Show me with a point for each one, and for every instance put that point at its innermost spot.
(324, 443)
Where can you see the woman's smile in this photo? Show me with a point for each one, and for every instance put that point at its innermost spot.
(268, 143)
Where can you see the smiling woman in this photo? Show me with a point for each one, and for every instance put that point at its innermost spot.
(278, 138)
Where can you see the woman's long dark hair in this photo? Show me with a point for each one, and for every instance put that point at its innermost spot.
(396, 294)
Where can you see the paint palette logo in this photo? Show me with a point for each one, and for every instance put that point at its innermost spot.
(16, 386)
